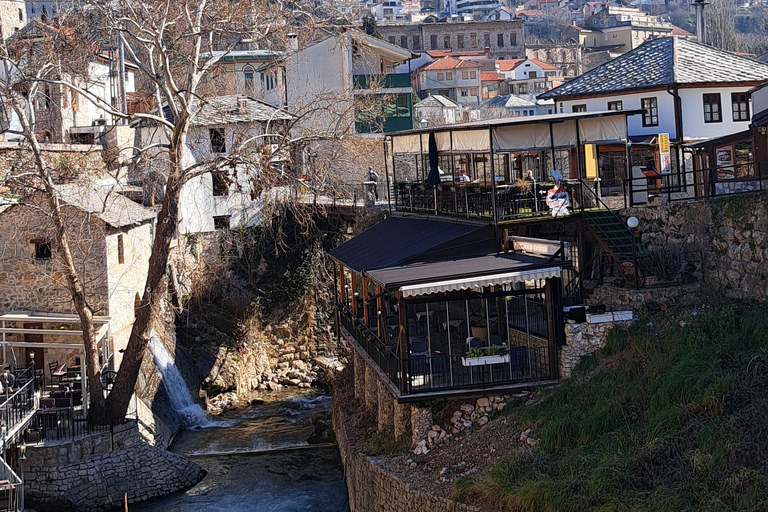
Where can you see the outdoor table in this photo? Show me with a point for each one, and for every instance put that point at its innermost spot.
(452, 323)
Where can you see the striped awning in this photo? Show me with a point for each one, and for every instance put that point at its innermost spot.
(479, 282)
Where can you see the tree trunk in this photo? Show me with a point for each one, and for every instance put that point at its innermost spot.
(122, 390)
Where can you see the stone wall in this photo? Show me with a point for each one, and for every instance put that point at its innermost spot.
(582, 340)
(94, 473)
(728, 235)
(371, 489)
(623, 299)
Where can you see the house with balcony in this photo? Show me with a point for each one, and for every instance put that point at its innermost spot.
(529, 76)
(686, 91)
(457, 79)
(222, 194)
(346, 75)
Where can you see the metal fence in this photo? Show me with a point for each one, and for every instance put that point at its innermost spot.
(18, 406)
(11, 489)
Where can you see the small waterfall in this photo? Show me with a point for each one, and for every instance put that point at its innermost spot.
(191, 414)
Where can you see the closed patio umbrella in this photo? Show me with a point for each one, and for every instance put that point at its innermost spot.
(434, 174)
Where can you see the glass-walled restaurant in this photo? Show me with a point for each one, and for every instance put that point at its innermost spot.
(500, 170)
(457, 323)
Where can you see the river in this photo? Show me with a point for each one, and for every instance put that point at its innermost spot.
(272, 456)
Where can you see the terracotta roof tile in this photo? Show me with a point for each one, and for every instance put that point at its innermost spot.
(508, 65)
(451, 63)
(488, 77)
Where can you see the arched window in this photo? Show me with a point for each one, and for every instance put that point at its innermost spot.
(248, 74)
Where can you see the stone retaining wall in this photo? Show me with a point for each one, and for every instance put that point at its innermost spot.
(94, 473)
(582, 340)
(371, 489)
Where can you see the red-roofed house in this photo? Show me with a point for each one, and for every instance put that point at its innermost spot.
(528, 76)
(492, 84)
(453, 78)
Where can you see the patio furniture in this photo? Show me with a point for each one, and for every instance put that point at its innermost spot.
(480, 332)
(495, 341)
(57, 370)
(419, 348)
(474, 342)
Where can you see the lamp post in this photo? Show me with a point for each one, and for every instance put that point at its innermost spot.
(632, 224)
(22, 457)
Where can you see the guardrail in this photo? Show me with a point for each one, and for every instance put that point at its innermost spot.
(696, 184)
(18, 406)
(11, 489)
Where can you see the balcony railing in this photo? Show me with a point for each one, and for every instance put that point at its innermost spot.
(387, 125)
(435, 372)
(387, 81)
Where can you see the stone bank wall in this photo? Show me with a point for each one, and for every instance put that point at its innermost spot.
(371, 489)
(94, 473)
(730, 235)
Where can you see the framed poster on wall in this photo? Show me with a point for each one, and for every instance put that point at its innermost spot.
(724, 162)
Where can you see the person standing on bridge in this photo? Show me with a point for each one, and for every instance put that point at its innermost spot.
(372, 179)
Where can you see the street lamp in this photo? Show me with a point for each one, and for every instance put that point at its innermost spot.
(22, 457)
(632, 224)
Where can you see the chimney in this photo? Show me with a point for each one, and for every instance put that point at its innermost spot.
(488, 52)
(292, 42)
(701, 29)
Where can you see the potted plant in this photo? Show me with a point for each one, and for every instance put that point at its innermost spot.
(478, 357)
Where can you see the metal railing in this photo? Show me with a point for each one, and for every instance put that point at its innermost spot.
(18, 406)
(11, 489)
(419, 373)
(696, 184)
(61, 424)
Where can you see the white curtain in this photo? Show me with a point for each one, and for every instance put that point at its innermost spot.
(603, 129)
(521, 137)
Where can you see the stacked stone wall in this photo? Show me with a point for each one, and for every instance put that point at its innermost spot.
(372, 489)
(726, 237)
(96, 472)
(581, 340)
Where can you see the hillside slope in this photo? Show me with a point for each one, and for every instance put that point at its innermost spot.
(665, 418)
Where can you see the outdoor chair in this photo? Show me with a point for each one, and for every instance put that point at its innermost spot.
(57, 370)
(495, 340)
(474, 342)
(419, 347)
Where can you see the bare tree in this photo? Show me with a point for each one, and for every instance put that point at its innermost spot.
(176, 46)
(721, 27)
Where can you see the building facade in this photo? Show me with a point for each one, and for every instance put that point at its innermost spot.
(504, 38)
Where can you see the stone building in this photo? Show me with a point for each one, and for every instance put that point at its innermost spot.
(13, 16)
(504, 38)
(110, 237)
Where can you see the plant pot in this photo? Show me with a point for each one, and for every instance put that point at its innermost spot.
(482, 360)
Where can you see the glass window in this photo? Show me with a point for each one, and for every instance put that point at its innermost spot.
(433, 41)
(473, 91)
(740, 106)
(42, 250)
(221, 222)
(447, 42)
(473, 75)
(440, 76)
(464, 75)
(449, 76)
(615, 105)
(416, 43)
(512, 39)
(499, 40)
(460, 40)
(487, 40)
(220, 183)
(218, 140)
(712, 111)
(579, 108)
(391, 39)
(473, 40)
(651, 111)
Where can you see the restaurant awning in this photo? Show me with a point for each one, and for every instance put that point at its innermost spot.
(457, 274)
(519, 133)
(399, 240)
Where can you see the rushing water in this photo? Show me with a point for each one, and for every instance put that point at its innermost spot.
(191, 414)
(261, 458)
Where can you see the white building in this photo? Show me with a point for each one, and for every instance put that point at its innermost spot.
(454, 78)
(482, 7)
(685, 89)
(222, 199)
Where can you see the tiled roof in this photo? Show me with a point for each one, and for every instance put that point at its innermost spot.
(507, 101)
(237, 109)
(543, 65)
(508, 65)
(437, 100)
(451, 63)
(491, 77)
(439, 54)
(530, 12)
(661, 62)
(104, 203)
(677, 31)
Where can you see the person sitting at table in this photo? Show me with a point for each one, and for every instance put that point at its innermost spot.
(462, 175)
(529, 176)
(7, 381)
